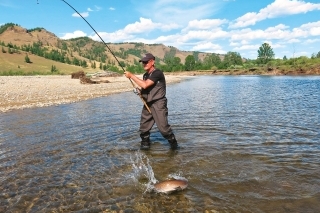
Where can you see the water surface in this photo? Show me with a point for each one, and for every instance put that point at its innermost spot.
(247, 144)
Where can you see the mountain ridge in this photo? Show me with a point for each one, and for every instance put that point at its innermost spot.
(86, 49)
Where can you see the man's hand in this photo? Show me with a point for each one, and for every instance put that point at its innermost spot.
(128, 74)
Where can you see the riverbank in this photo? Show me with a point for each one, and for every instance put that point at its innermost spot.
(20, 92)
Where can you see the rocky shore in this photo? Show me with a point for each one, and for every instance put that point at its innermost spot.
(20, 92)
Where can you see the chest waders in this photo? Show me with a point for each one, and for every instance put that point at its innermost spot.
(157, 102)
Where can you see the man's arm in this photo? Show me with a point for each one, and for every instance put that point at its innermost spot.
(141, 83)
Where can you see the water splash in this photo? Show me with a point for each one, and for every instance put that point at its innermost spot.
(177, 177)
(142, 171)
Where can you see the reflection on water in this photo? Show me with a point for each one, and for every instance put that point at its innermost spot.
(248, 144)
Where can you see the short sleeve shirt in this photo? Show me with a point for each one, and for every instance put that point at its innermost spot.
(158, 89)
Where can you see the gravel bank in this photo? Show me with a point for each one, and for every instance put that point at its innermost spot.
(20, 92)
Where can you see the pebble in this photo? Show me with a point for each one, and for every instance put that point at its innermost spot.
(20, 92)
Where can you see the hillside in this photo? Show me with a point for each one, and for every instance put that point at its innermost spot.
(84, 50)
(38, 51)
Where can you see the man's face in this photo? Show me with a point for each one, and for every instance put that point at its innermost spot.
(147, 65)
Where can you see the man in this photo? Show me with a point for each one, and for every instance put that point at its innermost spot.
(153, 91)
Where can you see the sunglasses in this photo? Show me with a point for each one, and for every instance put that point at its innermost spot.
(145, 62)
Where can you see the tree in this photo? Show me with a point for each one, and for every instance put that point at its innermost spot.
(232, 59)
(122, 64)
(84, 63)
(265, 53)
(190, 63)
(211, 61)
(54, 69)
(27, 59)
(284, 58)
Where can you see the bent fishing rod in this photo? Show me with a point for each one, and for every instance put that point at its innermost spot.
(143, 101)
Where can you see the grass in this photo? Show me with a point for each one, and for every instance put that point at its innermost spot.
(14, 64)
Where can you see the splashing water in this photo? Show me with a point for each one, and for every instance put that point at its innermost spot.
(142, 171)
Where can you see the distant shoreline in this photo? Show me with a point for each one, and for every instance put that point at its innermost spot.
(21, 92)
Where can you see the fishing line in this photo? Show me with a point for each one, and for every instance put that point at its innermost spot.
(145, 104)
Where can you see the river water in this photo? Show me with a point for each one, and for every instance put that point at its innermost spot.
(247, 144)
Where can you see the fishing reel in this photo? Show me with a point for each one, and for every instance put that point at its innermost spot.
(136, 91)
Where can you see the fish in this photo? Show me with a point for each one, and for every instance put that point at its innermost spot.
(169, 186)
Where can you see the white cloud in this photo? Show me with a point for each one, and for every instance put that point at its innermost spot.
(247, 47)
(171, 39)
(197, 32)
(204, 35)
(312, 27)
(75, 34)
(294, 40)
(118, 36)
(208, 47)
(205, 24)
(98, 8)
(147, 25)
(84, 14)
(277, 32)
(310, 41)
(128, 33)
(112, 8)
(276, 9)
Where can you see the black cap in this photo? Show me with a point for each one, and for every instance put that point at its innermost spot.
(148, 57)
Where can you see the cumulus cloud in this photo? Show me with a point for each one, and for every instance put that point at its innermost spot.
(276, 9)
(144, 26)
(208, 47)
(198, 33)
(313, 28)
(277, 32)
(147, 25)
(118, 36)
(75, 34)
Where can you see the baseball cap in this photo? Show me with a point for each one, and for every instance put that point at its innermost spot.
(148, 57)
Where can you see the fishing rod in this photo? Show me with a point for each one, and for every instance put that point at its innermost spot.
(143, 101)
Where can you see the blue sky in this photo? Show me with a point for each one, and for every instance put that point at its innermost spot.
(291, 27)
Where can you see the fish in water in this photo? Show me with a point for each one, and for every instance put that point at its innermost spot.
(169, 186)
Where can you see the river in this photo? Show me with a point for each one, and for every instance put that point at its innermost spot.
(247, 144)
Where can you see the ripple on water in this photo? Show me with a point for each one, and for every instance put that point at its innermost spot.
(247, 144)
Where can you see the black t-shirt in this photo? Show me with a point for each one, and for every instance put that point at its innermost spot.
(158, 89)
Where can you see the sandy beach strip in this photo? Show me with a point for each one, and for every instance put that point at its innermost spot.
(20, 92)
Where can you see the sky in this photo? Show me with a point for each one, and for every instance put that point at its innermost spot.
(290, 27)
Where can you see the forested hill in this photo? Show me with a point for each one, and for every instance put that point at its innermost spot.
(86, 52)
(36, 50)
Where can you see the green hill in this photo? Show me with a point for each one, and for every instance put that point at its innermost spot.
(46, 50)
